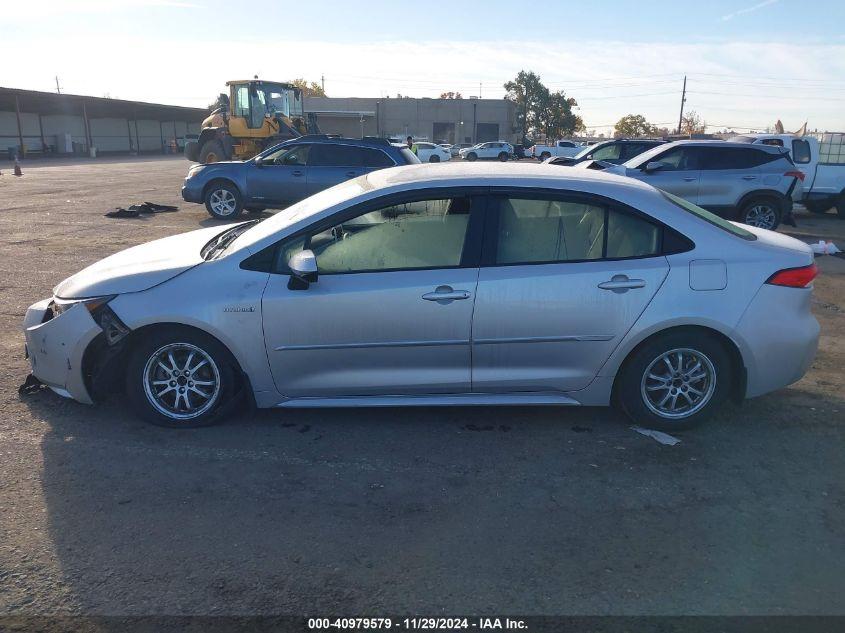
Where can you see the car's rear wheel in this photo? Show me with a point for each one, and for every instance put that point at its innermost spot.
(503, 156)
(212, 152)
(179, 377)
(434, 159)
(545, 155)
(223, 200)
(817, 206)
(472, 156)
(675, 381)
(764, 213)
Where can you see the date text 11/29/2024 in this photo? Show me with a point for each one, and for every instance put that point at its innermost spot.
(417, 624)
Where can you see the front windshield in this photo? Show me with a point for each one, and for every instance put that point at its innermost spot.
(645, 157)
(279, 99)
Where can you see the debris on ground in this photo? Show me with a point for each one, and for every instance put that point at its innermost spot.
(30, 386)
(660, 436)
(825, 248)
(136, 210)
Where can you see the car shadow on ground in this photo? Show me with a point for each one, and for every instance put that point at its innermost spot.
(546, 510)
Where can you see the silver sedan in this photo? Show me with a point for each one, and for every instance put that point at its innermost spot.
(456, 284)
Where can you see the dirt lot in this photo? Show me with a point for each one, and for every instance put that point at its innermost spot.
(433, 511)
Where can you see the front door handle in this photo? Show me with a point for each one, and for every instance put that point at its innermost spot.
(445, 294)
(296, 173)
(749, 177)
(689, 178)
(621, 283)
(351, 174)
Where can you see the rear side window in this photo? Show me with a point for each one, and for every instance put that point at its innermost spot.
(536, 231)
(712, 218)
(608, 152)
(734, 157)
(800, 151)
(329, 155)
(376, 158)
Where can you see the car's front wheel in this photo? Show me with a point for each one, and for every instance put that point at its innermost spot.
(434, 159)
(223, 200)
(764, 213)
(675, 381)
(179, 377)
(503, 156)
(472, 156)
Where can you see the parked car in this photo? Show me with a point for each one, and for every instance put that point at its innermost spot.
(616, 151)
(821, 160)
(457, 147)
(755, 184)
(559, 148)
(495, 150)
(431, 153)
(288, 172)
(441, 285)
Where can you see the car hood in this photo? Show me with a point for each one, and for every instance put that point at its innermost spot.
(139, 267)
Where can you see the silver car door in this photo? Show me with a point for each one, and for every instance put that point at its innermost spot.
(727, 174)
(679, 175)
(391, 310)
(562, 281)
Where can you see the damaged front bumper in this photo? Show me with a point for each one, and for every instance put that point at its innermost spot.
(55, 347)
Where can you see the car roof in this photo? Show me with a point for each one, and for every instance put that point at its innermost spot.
(772, 149)
(378, 143)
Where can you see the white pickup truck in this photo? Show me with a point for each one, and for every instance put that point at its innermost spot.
(560, 148)
(821, 158)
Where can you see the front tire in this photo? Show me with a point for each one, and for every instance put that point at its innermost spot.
(178, 377)
(223, 200)
(545, 155)
(434, 159)
(212, 152)
(472, 156)
(764, 213)
(503, 156)
(675, 381)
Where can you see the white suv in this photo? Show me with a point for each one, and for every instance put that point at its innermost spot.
(498, 150)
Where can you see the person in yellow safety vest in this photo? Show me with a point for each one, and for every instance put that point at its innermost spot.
(411, 145)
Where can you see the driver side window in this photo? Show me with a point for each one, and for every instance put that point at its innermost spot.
(608, 152)
(406, 236)
(678, 159)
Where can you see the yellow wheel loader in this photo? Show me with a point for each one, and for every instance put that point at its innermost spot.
(253, 116)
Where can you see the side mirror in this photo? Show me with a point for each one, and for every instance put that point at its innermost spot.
(654, 165)
(303, 270)
(259, 161)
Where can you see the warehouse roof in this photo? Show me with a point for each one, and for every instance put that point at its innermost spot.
(96, 107)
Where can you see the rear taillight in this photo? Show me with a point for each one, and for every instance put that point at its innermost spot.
(795, 174)
(794, 277)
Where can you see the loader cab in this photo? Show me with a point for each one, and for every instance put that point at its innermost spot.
(256, 102)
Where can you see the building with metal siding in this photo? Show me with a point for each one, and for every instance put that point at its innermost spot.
(46, 122)
(448, 120)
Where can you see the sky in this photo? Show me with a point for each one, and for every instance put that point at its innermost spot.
(747, 62)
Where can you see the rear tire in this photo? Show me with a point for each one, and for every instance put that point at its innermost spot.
(472, 156)
(818, 206)
(179, 377)
(679, 397)
(763, 212)
(223, 200)
(503, 156)
(545, 155)
(192, 151)
(840, 206)
(434, 159)
(212, 152)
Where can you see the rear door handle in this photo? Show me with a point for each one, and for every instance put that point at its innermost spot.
(749, 177)
(690, 178)
(445, 294)
(621, 283)
(296, 173)
(351, 174)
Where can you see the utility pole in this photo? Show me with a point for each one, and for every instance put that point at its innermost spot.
(479, 90)
(323, 83)
(59, 90)
(683, 98)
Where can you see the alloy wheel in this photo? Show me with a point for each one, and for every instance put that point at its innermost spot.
(678, 383)
(762, 216)
(223, 202)
(181, 381)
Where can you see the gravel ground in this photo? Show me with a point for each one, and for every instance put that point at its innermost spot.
(432, 511)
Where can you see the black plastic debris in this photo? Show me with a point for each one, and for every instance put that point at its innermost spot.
(30, 386)
(136, 210)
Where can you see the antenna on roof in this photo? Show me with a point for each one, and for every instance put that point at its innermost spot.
(58, 90)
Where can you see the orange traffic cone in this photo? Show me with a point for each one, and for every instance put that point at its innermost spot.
(18, 171)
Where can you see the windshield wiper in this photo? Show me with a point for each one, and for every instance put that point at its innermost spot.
(220, 243)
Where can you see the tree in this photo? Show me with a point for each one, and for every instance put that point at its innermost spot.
(451, 95)
(529, 94)
(555, 118)
(309, 89)
(692, 123)
(633, 126)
